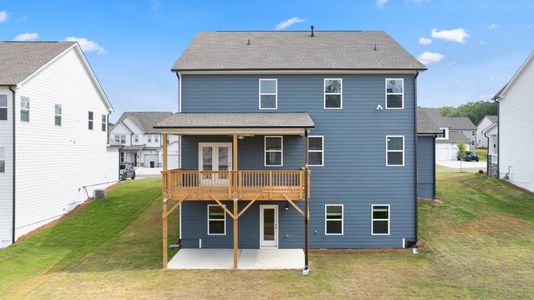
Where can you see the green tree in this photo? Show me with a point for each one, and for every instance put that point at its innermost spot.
(462, 150)
(475, 111)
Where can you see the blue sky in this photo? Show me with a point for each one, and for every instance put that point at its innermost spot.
(472, 47)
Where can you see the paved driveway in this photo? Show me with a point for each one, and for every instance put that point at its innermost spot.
(141, 172)
(463, 164)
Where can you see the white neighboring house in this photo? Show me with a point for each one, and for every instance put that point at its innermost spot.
(54, 147)
(141, 143)
(516, 127)
(481, 140)
(455, 130)
(491, 134)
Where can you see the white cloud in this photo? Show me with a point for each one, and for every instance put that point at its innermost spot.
(425, 41)
(430, 57)
(453, 35)
(493, 26)
(283, 25)
(3, 16)
(382, 3)
(86, 45)
(27, 36)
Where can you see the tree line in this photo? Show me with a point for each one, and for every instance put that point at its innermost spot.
(475, 111)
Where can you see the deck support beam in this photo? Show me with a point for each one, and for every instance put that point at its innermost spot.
(306, 205)
(165, 213)
(236, 200)
(236, 238)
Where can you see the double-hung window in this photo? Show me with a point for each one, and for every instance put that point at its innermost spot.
(380, 219)
(333, 219)
(333, 93)
(2, 160)
(316, 150)
(104, 122)
(395, 150)
(57, 114)
(90, 120)
(120, 138)
(268, 94)
(150, 138)
(444, 134)
(136, 138)
(216, 220)
(24, 109)
(3, 107)
(394, 93)
(156, 138)
(274, 151)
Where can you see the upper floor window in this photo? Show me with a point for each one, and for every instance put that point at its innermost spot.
(333, 93)
(24, 109)
(274, 151)
(316, 150)
(2, 160)
(333, 219)
(444, 135)
(156, 138)
(150, 138)
(120, 138)
(395, 150)
(57, 114)
(136, 138)
(3, 107)
(394, 93)
(104, 122)
(90, 120)
(380, 219)
(268, 94)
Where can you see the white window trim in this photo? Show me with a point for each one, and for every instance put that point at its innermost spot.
(340, 93)
(403, 150)
(322, 151)
(265, 150)
(208, 220)
(120, 138)
(104, 122)
(60, 115)
(26, 109)
(3, 154)
(446, 136)
(136, 138)
(6, 107)
(386, 93)
(388, 219)
(342, 219)
(268, 94)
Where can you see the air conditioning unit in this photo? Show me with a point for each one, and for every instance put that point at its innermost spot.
(99, 194)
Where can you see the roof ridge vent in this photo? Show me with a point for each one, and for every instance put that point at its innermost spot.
(248, 42)
(312, 32)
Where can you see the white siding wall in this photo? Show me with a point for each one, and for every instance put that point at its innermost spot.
(6, 179)
(471, 135)
(120, 129)
(516, 131)
(482, 141)
(54, 163)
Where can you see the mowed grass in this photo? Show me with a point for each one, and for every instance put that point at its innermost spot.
(481, 245)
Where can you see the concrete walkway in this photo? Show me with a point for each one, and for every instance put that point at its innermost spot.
(141, 172)
(253, 259)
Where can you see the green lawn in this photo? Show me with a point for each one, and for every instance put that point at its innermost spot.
(481, 245)
(482, 154)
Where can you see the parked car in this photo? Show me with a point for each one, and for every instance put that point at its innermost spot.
(126, 171)
(470, 156)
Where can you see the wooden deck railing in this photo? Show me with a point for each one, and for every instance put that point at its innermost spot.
(225, 185)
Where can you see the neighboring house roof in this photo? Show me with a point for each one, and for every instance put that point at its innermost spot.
(295, 50)
(491, 118)
(502, 92)
(238, 120)
(145, 120)
(455, 136)
(453, 123)
(425, 125)
(20, 60)
(494, 124)
(133, 148)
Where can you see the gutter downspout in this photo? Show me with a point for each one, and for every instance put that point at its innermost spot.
(434, 167)
(487, 155)
(498, 138)
(13, 109)
(415, 160)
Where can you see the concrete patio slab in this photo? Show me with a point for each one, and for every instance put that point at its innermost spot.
(251, 259)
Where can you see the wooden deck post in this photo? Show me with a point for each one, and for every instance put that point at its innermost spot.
(236, 208)
(235, 220)
(164, 215)
(164, 138)
(306, 207)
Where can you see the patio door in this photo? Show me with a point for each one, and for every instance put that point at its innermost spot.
(268, 226)
(215, 157)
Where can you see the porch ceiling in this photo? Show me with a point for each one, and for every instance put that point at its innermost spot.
(261, 123)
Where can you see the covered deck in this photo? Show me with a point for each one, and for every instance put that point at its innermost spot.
(235, 184)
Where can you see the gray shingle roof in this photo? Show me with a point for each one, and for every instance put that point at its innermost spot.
(453, 123)
(18, 60)
(145, 120)
(493, 119)
(238, 120)
(295, 50)
(425, 125)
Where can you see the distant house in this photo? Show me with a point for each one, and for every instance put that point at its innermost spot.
(141, 143)
(427, 133)
(54, 147)
(455, 130)
(491, 134)
(481, 139)
(516, 126)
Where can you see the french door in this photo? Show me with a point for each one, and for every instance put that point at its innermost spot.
(215, 157)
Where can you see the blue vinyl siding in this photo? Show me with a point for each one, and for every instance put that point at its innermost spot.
(354, 172)
(425, 166)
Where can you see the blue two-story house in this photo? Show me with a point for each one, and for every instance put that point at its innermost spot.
(294, 140)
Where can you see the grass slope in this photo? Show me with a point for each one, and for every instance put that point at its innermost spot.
(481, 245)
